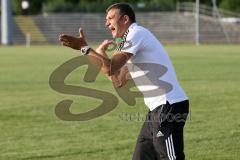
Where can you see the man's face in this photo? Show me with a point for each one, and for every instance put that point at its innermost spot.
(115, 22)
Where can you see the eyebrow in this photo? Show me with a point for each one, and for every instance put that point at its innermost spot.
(110, 16)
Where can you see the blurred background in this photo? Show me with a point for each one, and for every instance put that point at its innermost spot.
(172, 21)
(202, 38)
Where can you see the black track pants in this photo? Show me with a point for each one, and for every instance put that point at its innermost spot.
(161, 136)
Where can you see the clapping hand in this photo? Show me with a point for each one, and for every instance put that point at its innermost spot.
(73, 42)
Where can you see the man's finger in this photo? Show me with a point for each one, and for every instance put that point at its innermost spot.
(81, 33)
(64, 36)
(63, 39)
(109, 42)
(66, 44)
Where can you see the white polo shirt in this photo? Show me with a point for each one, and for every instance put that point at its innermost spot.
(150, 68)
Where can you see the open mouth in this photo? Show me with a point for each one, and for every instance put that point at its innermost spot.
(112, 29)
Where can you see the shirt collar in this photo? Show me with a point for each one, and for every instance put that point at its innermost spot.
(125, 36)
(132, 25)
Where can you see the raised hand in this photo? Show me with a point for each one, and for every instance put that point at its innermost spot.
(103, 46)
(73, 42)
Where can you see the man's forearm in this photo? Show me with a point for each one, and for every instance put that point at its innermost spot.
(102, 52)
(109, 66)
(99, 61)
(123, 76)
(113, 77)
(119, 78)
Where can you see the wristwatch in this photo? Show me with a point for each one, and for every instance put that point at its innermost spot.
(85, 50)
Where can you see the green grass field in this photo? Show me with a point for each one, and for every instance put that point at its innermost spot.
(30, 129)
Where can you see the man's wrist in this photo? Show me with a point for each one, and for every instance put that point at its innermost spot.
(85, 50)
(82, 44)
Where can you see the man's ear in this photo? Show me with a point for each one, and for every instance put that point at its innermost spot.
(126, 19)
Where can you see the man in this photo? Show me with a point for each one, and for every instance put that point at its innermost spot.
(161, 136)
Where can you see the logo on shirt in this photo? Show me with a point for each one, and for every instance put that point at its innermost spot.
(120, 43)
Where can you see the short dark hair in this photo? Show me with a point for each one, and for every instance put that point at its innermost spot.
(124, 9)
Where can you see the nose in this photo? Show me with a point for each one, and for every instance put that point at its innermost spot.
(107, 24)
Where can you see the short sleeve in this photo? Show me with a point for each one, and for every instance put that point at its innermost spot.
(134, 41)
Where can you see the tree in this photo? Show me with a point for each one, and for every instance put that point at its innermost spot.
(35, 6)
(232, 5)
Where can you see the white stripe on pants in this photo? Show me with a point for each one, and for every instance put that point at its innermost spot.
(170, 148)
